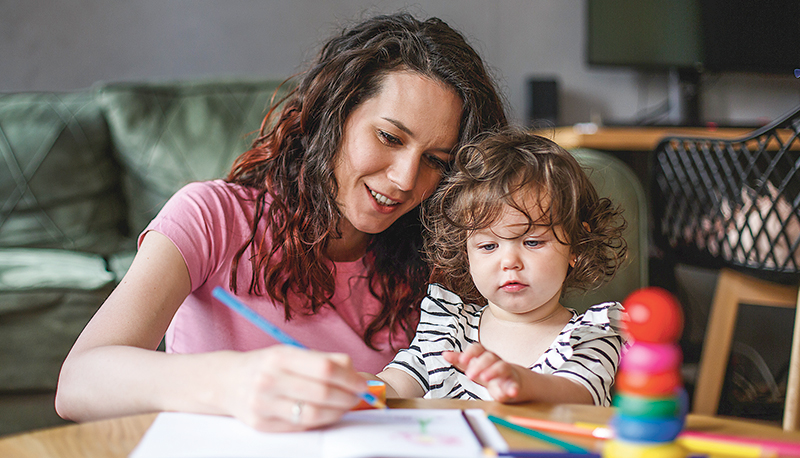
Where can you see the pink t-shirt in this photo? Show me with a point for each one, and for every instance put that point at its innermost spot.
(209, 222)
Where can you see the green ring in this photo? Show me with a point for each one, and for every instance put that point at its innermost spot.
(644, 407)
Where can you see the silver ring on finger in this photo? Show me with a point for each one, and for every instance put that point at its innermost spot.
(297, 411)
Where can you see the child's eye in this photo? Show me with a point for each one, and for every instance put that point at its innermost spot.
(487, 246)
(533, 243)
(388, 138)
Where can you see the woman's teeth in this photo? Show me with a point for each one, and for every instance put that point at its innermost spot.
(383, 200)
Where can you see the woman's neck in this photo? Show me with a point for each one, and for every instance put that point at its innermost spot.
(351, 246)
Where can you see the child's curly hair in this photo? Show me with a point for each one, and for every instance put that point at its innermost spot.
(489, 173)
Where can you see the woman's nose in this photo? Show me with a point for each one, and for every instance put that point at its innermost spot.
(404, 170)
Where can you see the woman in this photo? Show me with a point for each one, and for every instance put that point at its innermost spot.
(316, 228)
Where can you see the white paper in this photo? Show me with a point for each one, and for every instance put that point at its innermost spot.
(184, 435)
(488, 435)
(439, 433)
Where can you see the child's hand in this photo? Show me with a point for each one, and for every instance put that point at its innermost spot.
(502, 379)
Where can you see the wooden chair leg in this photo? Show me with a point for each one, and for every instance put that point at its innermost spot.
(732, 289)
(717, 344)
(791, 410)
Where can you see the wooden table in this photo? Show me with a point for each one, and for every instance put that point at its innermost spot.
(642, 139)
(118, 437)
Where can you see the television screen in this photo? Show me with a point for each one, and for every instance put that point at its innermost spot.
(649, 34)
(715, 35)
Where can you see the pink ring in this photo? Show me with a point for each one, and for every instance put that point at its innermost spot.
(651, 357)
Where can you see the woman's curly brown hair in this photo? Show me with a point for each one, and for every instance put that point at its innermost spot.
(496, 171)
(291, 163)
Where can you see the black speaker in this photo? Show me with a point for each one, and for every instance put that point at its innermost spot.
(542, 102)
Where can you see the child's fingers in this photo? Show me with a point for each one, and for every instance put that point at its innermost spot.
(499, 369)
(479, 364)
(503, 390)
(465, 357)
(451, 357)
(474, 350)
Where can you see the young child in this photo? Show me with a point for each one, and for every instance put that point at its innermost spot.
(516, 225)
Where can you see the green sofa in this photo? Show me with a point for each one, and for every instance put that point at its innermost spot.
(82, 173)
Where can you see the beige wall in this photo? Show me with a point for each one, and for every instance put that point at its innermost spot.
(56, 45)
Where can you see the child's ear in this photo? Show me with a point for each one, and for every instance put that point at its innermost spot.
(573, 260)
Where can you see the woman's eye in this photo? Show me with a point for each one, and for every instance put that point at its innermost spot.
(388, 138)
(437, 163)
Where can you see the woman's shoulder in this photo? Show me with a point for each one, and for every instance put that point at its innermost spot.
(213, 197)
(216, 189)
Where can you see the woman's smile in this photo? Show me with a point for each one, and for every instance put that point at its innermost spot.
(382, 200)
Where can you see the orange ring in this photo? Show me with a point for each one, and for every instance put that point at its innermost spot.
(647, 384)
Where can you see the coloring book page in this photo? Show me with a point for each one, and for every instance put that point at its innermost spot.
(439, 433)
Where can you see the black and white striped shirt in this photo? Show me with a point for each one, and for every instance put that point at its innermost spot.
(587, 350)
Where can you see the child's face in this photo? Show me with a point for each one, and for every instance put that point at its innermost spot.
(520, 273)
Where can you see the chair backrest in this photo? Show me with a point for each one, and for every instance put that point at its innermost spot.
(732, 203)
(614, 179)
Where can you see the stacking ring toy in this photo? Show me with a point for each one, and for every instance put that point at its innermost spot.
(652, 357)
(621, 449)
(651, 407)
(646, 430)
(653, 315)
(646, 384)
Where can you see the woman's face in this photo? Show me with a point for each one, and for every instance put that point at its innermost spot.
(393, 150)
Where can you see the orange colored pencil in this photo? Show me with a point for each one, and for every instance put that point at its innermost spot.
(555, 427)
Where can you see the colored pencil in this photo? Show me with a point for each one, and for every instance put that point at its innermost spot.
(262, 323)
(557, 427)
(545, 454)
(572, 448)
(693, 441)
(782, 448)
(722, 448)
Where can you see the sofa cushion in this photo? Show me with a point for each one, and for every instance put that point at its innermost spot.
(59, 184)
(170, 134)
(48, 296)
(31, 269)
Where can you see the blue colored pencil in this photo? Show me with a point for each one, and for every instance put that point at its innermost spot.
(571, 448)
(239, 307)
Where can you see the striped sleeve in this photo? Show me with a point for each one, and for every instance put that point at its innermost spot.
(446, 324)
(595, 345)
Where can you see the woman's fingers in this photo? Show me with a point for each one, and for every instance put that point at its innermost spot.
(293, 415)
(317, 376)
(288, 389)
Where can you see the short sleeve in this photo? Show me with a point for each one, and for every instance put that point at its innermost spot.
(596, 344)
(201, 219)
(446, 324)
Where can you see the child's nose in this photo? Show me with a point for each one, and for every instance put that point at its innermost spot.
(511, 260)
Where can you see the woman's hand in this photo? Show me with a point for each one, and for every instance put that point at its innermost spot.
(284, 388)
(502, 379)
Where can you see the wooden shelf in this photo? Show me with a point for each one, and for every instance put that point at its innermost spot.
(632, 138)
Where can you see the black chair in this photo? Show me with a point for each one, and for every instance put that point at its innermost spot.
(734, 205)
